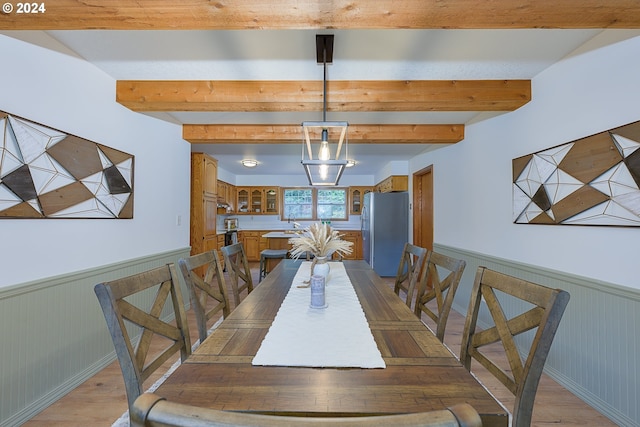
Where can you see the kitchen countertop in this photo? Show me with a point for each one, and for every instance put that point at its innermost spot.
(287, 234)
(282, 233)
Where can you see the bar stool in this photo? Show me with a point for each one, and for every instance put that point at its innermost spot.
(270, 254)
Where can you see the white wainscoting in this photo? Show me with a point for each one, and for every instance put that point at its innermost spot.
(54, 336)
(596, 350)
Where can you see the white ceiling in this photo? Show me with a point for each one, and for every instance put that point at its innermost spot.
(290, 55)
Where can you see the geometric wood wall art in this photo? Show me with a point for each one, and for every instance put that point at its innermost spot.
(45, 173)
(590, 181)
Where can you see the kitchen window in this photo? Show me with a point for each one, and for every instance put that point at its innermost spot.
(315, 204)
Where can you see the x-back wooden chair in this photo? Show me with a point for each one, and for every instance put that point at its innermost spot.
(440, 283)
(235, 260)
(544, 309)
(154, 411)
(409, 270)
(122, 300)
(209, 294)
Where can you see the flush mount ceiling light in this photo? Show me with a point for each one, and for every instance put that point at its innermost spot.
(324, 162)
(351, 163)
(249, 163)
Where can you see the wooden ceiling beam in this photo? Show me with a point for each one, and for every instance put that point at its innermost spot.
(322, 14)
(292, 134)
(342, 96)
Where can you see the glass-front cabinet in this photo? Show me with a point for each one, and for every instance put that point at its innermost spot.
(243, 199)
(271, 200)
(356, 199)
(258, 200)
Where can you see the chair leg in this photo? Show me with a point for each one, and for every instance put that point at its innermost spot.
(262, 272)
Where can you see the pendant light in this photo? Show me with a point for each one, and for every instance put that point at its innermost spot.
(324, 162)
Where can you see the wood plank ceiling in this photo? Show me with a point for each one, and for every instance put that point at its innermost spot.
(360, 96)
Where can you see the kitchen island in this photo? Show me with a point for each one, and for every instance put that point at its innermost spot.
(278, 240)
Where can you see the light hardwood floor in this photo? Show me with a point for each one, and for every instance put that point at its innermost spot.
(100, 400)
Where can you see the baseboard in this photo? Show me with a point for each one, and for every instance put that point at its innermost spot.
(58, 392)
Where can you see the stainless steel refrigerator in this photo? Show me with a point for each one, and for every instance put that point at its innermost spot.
(385, 230)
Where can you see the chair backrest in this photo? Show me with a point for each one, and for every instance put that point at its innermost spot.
(544, 308)
(409, 270)
(237, 266)
(443, 274)
(120, 300)
(208, 294)
(151, 410)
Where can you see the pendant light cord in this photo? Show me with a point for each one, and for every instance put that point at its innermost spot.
(324, 80)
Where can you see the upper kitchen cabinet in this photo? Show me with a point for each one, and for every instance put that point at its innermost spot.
(393, 183)
(204, 201)
(242, 199)
(271, 200)
(222, 191)
(227, 194)
(231, 197)
(356, 198)
(207, 172)
(258, 200)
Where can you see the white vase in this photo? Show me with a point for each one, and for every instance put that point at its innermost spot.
(322, 268)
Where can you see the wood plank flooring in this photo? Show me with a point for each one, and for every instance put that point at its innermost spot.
(100, 400)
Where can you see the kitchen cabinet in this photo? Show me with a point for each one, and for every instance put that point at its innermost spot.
(354, 237)
(208, 173)
(231, 196)
(251, 242)
(242, 199)
(258, 200)
(209, 244)
(204, 203)
(393, 183)
(356, 199)
(272, 200)
(220, 244)
(226, 194)
(222, 191)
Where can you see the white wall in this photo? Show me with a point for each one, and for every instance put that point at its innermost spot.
(69, 94)
(587, 93)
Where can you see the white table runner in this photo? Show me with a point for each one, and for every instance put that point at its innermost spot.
(336, 336)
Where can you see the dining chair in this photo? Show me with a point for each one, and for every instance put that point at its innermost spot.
(515, 306)
(151, 410)
(209, 293)
(409, 270)
(235, 260)
(141, 300)
(440, 283)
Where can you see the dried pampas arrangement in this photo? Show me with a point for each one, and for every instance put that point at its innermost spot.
(321, 240)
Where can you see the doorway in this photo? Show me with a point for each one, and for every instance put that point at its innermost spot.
(423, 208)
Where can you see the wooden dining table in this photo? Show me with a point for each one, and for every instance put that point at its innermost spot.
(421, 373)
